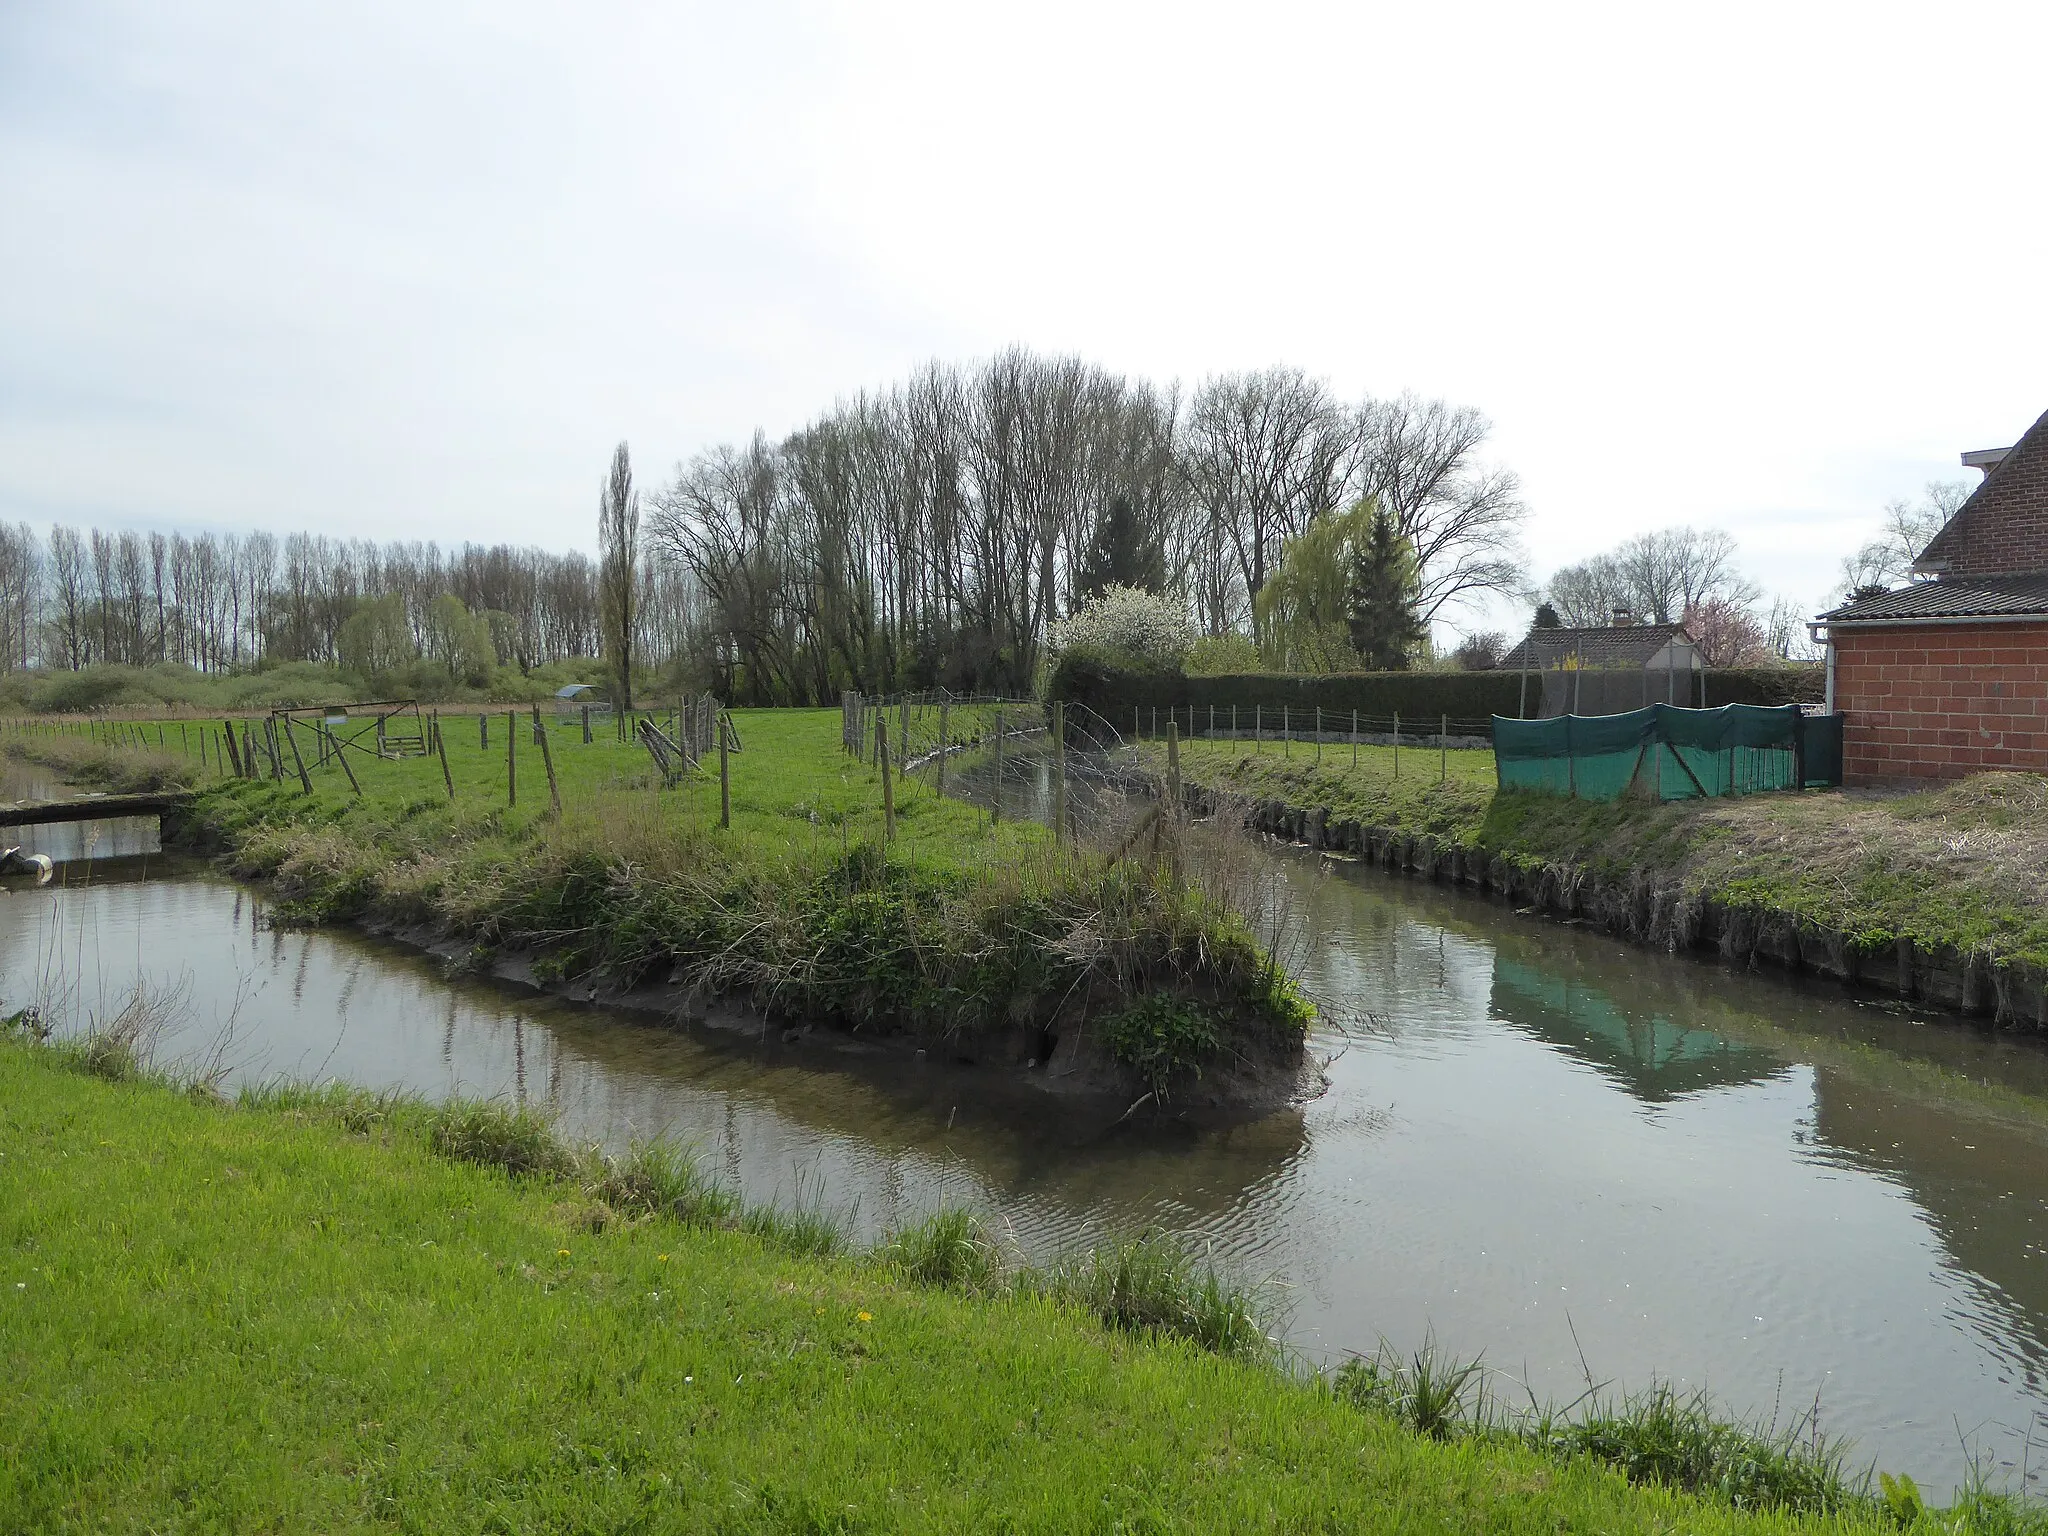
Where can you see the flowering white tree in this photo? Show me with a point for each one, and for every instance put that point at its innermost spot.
(1130, 621)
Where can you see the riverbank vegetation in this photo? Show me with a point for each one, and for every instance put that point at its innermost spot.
(326, 1309)
(1959, 868)
(819, 903)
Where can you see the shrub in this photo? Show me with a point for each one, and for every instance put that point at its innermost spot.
(1128, 622)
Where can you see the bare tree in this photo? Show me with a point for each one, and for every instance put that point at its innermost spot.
(1905, 529)
(1265, 454)
(1657, 577)
(1463, 518)
(618, 541)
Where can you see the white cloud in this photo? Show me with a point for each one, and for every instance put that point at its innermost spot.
(407, 270)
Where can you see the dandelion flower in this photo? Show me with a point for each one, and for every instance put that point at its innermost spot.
(662, 1257)
(561, 1253)
(866, 1317)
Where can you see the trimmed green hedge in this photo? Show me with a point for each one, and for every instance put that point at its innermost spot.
(1767, 685)
(1113, 692)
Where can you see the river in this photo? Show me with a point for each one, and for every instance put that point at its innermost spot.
(1574, 1156)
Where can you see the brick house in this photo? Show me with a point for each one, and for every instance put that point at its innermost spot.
(1948, 677)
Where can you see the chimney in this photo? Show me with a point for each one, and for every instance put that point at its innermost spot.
(1986, 459)
(1624, 616)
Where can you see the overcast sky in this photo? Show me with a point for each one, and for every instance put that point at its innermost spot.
(410, 270)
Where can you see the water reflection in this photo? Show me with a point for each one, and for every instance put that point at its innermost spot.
(1651, 1055)
(121, 837)
(1544, 1143)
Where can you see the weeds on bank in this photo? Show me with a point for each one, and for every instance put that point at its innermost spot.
(1666, 1437)
(953, 927)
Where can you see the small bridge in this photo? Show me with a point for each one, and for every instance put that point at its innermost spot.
(41, 813)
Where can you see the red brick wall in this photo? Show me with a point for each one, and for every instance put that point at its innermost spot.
(1937, 701)
(2003, 529)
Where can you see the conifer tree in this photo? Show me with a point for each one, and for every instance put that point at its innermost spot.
(1121, 555)
(1385, 629)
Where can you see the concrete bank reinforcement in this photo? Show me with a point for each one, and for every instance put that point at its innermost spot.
(1652, 908)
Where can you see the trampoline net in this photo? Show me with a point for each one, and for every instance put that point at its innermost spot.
(1668, 753)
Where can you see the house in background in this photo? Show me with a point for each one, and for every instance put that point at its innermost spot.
(1950, 676)
(1606, 670)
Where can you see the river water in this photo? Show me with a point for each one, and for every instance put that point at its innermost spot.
(1571, 1155)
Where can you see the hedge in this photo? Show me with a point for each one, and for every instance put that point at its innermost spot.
(1113, 692)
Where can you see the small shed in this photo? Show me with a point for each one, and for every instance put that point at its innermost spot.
(570, 702)
(1607, 670)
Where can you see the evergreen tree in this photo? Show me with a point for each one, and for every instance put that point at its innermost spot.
(1385, 629)
(1121, 554)
(1546, 617)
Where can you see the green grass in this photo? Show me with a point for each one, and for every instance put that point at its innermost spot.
(1960, 867)
(295, 1315)
(812, 903)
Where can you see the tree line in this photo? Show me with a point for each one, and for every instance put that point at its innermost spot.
(229, 602)
(933, 532)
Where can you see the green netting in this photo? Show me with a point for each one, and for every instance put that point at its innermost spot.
(1668, 753)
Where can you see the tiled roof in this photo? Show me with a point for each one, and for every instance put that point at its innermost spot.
(1952, 597)
(1998, 531)
(1627, 645)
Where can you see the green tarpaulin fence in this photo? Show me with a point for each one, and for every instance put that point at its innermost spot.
(1668, 753)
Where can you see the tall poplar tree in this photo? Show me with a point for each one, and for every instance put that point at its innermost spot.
(618, 542)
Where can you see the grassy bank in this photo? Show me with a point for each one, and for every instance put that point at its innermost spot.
(948, 927)
(1959, 868)
(324, 1312)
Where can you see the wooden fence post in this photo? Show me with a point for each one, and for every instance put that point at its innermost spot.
(1059, 773)
(944, 707)
(234, 751)
(305, 778)
(441, 747)
(1443, 750)
(996, 806)
(888, 795)
(1173, 805)
(724, 775)
(511, 760)
(547, 761)
(341, 757)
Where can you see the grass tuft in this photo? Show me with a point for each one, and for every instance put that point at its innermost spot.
(665, 1180)
(1150, 1284)
(951, 1249)
(515, 1138)
(1678, 1439)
